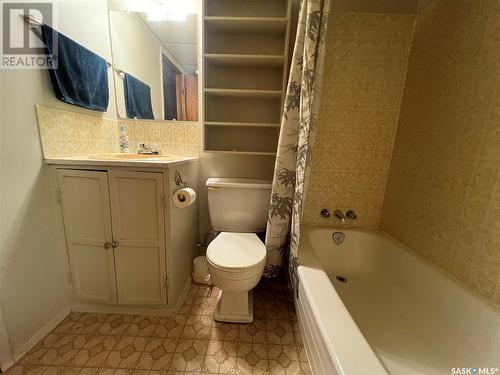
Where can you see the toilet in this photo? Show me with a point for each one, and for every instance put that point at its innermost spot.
(236, 257)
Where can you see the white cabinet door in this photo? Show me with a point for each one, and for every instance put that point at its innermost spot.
(138, 231)
(87, 223)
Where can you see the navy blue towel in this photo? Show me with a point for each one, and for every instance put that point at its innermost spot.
(137, 98)
(81, 77)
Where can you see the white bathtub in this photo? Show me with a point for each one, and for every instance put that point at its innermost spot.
(395, 314)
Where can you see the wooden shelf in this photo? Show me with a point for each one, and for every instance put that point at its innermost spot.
(242, 139)
(231, 108)
(245, 8)
(242, 124)
(246, 25)
(245, 73)
(245, 60)
(244, 93)
(241, 43)
(244, 77)
(240, 152)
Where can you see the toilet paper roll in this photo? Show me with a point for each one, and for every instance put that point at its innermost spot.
(184, 197)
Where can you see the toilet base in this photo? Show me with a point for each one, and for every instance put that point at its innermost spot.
(234, 307)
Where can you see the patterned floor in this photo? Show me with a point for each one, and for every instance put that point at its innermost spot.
(189, 343)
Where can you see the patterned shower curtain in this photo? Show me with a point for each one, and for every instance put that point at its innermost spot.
(296, 138)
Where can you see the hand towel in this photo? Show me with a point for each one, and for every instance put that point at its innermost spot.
(137, 98)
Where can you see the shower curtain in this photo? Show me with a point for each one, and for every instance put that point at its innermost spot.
(294, 147)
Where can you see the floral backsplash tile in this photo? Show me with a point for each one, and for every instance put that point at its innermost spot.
(65, 133)
(365, 69)
(174, 138)
(443, 194)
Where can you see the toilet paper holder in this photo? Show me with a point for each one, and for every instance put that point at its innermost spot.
(183, 196)
(179, 181)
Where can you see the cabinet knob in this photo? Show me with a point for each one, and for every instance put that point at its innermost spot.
(115, 243)
(107, 245)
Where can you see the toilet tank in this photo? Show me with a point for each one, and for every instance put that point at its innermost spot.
(238, 205)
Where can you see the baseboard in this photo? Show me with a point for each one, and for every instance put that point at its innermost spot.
(151, 311)
(184, 294)
(6, 359)
(5, 364)
(40, 334)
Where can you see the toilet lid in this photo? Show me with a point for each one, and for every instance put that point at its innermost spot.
(236, 250)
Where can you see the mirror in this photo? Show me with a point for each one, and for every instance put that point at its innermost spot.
(155, 64)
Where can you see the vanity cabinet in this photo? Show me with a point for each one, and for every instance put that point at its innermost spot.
(114, 223)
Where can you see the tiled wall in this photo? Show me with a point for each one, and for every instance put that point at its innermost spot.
(174, 138)
(365, 69)
(65, 133)
(443, 196)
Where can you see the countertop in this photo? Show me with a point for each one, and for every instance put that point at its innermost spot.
(150, 161)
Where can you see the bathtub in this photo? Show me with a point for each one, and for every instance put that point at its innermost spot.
(369, 306)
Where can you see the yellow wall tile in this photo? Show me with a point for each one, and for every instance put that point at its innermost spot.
(443, 194)
(365, 66)
(65, 133)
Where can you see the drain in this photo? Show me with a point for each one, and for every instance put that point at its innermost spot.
(342, 279)
(338, 237)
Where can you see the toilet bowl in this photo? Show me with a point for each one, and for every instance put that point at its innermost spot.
(236, 257)
(236, 262)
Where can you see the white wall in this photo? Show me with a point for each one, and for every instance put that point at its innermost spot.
(184, 232)
(33, 287)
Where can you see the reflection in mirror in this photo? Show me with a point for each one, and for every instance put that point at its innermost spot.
(155, 65)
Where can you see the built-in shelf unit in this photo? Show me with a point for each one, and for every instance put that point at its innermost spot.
(245, 72)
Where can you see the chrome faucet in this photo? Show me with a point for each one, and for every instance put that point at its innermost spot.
(150, 149)
(351, 215)
(339, 215)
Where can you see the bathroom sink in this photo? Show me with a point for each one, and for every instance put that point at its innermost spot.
(133, 157)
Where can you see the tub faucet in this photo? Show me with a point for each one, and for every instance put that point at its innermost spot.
(339, 215)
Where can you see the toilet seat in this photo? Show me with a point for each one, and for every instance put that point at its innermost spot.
(237, 252)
